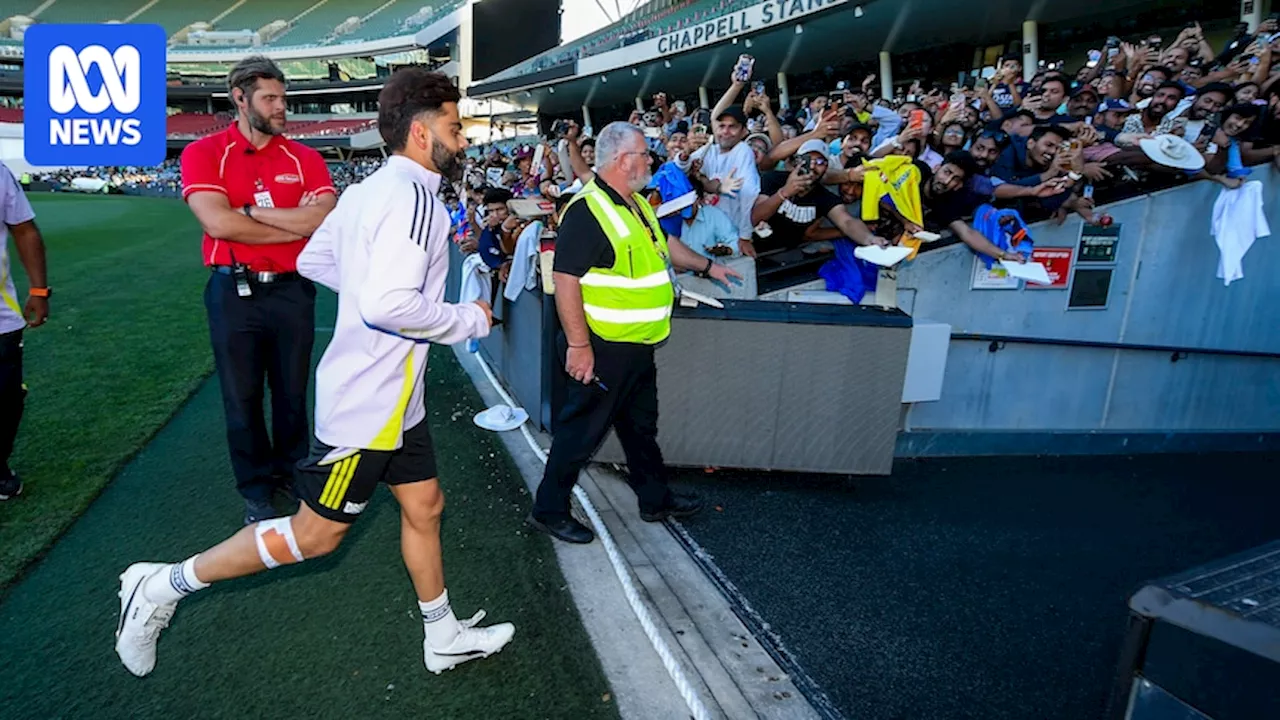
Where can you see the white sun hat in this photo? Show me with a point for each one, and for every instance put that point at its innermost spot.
(501, 418)
(1172, 151)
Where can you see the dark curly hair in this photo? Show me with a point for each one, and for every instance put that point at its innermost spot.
(407, 94)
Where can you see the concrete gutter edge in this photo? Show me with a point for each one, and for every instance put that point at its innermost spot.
(733, 674)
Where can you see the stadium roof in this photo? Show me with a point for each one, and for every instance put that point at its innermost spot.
(831, 30)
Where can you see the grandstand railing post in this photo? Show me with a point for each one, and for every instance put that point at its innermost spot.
(886, 75)
(1251, 12)
(1030, 49)
(703, 100)
(784, 92)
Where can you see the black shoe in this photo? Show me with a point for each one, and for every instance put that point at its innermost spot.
(677, 506)
(566, 529)
(10, 487)
(258, 510)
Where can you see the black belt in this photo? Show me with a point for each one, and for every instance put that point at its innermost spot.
(262, 277)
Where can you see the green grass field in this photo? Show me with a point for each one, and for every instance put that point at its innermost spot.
(337, 637)
(125, 345)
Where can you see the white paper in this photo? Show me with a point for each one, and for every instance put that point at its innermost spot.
(927, 236)
(671, 207)
(1033, 272)
(886, 257)
(690, 296)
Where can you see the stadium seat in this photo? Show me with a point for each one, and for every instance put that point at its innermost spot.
(174, 15)
(10, 115)
(194, 124)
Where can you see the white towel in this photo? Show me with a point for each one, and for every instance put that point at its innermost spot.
(524, 262)
(1238, 220)
(477, 283)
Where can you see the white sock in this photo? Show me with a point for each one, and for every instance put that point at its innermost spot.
(439, 622)
(174, 583)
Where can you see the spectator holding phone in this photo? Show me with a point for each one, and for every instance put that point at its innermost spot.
(791, 202)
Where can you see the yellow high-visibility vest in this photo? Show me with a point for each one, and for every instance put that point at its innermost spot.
(632, 300)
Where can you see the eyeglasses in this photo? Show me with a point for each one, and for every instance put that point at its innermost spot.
(999, 137)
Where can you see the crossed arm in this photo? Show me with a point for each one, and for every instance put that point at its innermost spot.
(268, 226)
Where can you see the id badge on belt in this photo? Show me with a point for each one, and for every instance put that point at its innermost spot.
(241, 273)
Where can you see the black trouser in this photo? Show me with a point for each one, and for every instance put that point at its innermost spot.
(12, 394)
(629, 406)
(266, 336)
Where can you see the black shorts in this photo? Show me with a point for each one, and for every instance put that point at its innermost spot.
(337, 482)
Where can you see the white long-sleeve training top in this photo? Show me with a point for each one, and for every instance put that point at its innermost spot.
(385, 250)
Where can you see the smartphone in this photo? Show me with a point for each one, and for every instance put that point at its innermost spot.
(742, 71)
(1095, 56)
(805, 165)
(1088, 192)
(917, 118)
(758, 87)
(653, 132)
(698, 129)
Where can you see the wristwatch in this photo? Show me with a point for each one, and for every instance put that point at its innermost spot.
(248, 210)
(42, 292)
(706, 271)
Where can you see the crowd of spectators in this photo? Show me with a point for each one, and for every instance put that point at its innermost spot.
(976, 160)
(166, 179)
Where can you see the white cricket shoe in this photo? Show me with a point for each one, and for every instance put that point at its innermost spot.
(140, 619)
(470, 643)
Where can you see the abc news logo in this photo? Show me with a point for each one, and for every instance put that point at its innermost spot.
(69, 89)
(95, 95)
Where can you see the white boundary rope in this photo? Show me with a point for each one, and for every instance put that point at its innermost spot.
(660, 646)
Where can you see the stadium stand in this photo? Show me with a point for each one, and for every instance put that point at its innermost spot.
(649, 21)
(174, 15)
(281, 23)
(194, 125)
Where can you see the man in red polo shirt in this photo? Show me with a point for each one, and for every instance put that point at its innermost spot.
(259, 197)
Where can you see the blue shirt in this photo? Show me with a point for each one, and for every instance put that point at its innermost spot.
(710, 227)
(490, 249)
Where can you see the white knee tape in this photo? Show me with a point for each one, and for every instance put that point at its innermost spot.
(276, 543)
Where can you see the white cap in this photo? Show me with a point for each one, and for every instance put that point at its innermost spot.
(815, 146)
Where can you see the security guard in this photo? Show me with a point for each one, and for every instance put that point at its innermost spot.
(614, 297)
(259, 196)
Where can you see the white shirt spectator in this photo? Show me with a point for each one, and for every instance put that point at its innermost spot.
(385, 250)
(16, 210)
(741, 163)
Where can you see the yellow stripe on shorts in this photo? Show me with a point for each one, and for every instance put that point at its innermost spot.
(346, 481)
(339, 480)
(335, 475)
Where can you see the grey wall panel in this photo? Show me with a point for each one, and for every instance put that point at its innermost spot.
(841, 398)
(777, 395)
(1177, 299)
(711, 403)
(1199, 392)
(1020, 387)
